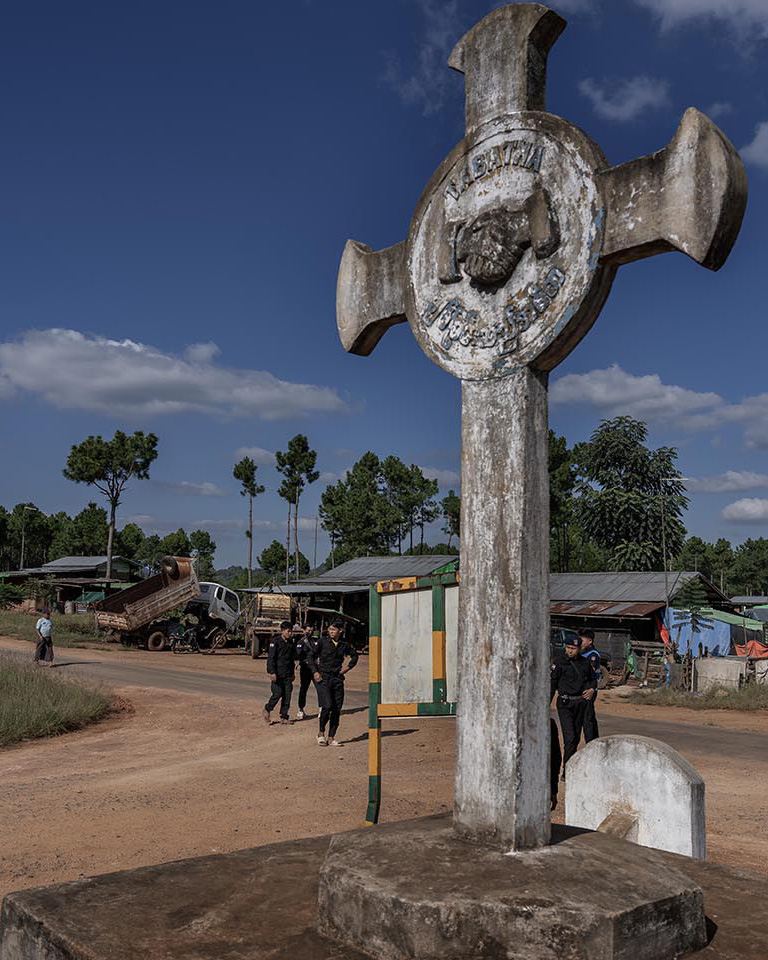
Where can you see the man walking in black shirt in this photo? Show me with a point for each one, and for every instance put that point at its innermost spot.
(281, 659)
(327, 661)
(305, 645)
(574, 681)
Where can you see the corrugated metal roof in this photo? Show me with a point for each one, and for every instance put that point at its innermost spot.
(82, 563)
(609, 609)
(308, 586)
(749, 601)
(624, 588)
(368, 570)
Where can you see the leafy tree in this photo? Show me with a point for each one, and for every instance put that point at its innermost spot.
(426, 510)
(90, 531)
(624, 490)
(689, 602)
(29, 535)
(245, 472)
(297, 465)
(203, 548)
(272, 560)
(450, 507)
(397, 489)
(5, 560)
(150, 552)
(176, 544)
(130, 541)
(10, 595)
(358, 511)
(62, 536)
(750, 567)
(108, 465)
(562, 480)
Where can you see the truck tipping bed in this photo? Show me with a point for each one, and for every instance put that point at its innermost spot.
(136, 606)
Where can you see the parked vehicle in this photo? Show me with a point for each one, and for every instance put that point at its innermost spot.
(140, 614)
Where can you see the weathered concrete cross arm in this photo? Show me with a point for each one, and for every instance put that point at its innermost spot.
(691, 197)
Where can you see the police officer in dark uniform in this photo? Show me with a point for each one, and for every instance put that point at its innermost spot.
(281, 660)
(574, 681)
(329, 670)
(305, 645)
(588, 652)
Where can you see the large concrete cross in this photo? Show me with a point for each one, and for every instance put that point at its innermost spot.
(510, 256)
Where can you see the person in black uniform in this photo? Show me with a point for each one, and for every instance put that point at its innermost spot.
(573, 679)
(555, 762)
(281, 660)
(588, 652)
(327, 661)
(305, 644)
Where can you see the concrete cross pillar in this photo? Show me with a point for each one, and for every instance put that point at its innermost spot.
(509, 258)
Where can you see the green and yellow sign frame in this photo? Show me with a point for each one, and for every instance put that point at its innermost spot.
(439, 705)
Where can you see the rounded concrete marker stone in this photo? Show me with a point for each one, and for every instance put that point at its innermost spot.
(644, 780)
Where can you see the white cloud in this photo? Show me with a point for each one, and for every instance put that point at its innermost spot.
(627, 99)
(728, 482)
(124, 378)
(446, 478)
(260, 456)
(756, 151)
(427, 82)
(720, 108)
(613, 391)
(205, 489)
(745, 18)
(748, 510)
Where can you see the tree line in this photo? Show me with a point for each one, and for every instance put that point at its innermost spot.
(615, 504)
(29, 538)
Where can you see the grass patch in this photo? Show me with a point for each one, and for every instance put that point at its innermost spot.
(34, 702)
(752, 696)
(69, 630)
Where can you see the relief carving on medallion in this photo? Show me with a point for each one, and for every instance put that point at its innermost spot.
(489, 247)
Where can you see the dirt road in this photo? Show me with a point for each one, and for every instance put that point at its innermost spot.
(194, 770)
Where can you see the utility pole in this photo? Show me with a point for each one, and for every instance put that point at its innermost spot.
(288, 545)
(314, 556)
(666, 575)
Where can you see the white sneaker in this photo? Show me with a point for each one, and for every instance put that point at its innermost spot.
(300, 715)
(335, 742)
(323, 741)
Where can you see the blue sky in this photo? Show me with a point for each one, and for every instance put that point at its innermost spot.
(180, 179)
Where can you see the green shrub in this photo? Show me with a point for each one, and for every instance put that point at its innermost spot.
(10, 595)
(35, 702)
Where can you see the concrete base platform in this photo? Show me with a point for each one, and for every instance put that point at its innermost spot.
(418, 891)
(261, 904)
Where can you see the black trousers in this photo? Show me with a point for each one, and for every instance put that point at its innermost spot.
(305, 678)
(555, 758)
(571, 715)
(591, 731)
(330, 696)
(281, 691)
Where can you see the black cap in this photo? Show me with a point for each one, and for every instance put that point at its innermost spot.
(573, 642)
(338, 623)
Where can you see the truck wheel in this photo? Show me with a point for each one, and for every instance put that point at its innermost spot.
(156, 641)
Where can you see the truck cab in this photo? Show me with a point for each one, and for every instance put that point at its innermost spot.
(222, 603)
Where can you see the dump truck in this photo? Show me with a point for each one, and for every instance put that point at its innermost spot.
(138, 614)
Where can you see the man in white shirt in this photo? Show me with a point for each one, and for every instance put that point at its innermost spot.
(44, 648)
